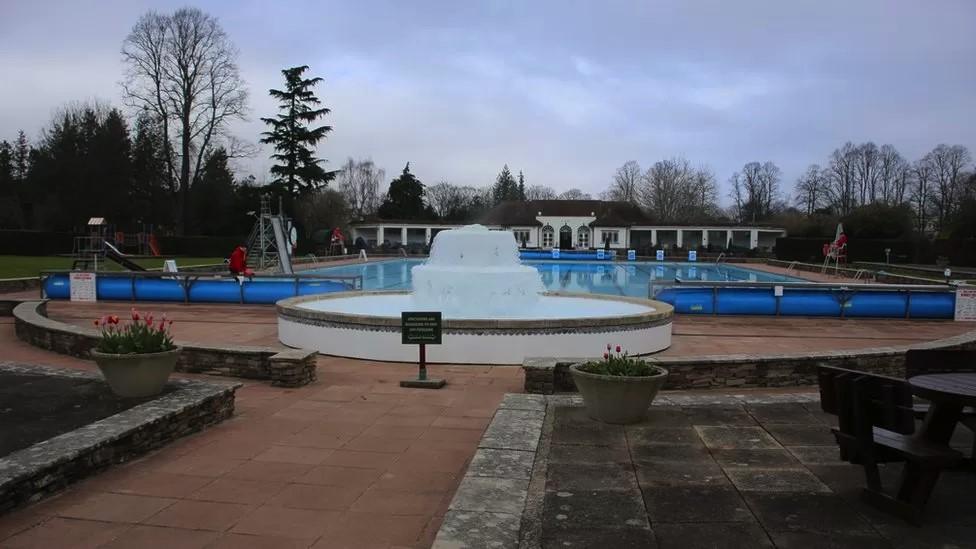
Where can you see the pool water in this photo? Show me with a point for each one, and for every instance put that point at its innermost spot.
(618, 278)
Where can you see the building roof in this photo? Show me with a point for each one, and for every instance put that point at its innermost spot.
(607, 213)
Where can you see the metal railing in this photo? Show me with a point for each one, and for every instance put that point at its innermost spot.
(844, 291)
(720, 257)
(188, 279)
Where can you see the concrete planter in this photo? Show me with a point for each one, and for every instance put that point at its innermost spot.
(136, 375)
(618, 399)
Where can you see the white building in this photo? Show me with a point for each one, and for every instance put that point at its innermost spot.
(576, 224)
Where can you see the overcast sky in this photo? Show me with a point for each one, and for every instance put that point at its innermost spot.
(565, 91)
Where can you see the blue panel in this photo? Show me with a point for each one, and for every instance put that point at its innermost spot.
(690, 300)
(57, 286)
(113, 287)
(215, 291)
(808, 303)
(157, 289)
(933, 305)
(879, 304)
(310, 287)
(268, 291)
(746, 301)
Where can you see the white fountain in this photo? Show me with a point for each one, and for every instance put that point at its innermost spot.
(495, 311)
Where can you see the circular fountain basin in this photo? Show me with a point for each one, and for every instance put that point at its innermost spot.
(366, 325)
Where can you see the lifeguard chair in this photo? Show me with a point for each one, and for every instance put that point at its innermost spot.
(835, 255)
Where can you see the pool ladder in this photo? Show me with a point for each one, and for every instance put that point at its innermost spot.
(792, 267)
(721, 256)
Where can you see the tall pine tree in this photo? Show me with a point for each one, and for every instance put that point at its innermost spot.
(521, 187)
(298, 170)
(21, 157)
(405, 199)
(505, 187)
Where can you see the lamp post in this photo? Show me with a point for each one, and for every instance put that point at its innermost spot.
(948, 274)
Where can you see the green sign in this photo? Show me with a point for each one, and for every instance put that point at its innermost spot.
(421, 327)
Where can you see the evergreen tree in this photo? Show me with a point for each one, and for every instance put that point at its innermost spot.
(215, 199)
(521, 186)
(405, 199)
(152, 194)
(505, 187)
(21, 157)
(298, 170)
(109, 163)
(6, 168)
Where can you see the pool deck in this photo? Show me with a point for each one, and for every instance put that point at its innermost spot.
(693, 335)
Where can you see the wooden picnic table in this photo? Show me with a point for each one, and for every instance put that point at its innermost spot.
(948, 393)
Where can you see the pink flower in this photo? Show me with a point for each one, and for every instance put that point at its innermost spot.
(606, 355)
(618, 348)
(135, 314)
(113, 319)
(608, 346)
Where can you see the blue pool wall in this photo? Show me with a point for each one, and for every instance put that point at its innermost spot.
(123, 288)
(811, 302)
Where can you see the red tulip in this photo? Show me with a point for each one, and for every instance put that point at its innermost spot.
(606, 356)
(608, 346)
(113, 319)
(618, 348)
(97, 323)
(135, 314)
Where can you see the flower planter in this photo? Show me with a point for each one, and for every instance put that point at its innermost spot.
(618, 399)
(136, 375)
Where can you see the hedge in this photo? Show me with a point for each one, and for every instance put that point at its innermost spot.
(959, 252)
(38, 243)
(18, 242)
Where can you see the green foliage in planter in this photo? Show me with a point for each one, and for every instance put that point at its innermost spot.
(141, 335)
(619, 364)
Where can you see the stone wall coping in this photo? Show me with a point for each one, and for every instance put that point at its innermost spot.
(30, 312)
(63, 448)
(293, 355)
(662, 314)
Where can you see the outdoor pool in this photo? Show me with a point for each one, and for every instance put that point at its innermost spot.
(614, 278)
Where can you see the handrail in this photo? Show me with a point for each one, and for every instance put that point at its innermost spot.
(721, 256)
(792, 267)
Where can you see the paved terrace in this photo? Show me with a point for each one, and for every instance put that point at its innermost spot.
(738, 474)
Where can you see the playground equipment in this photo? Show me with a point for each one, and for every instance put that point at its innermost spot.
(269, 246)
(102, 243)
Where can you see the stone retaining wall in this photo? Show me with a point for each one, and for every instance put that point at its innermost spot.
(551, 375)
(40, 470)
(33, 326)
(19, 284)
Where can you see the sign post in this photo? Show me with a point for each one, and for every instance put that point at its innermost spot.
(82, 286)
(421, 328)
(965, 304)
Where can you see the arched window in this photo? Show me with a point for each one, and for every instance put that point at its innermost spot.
(547, 236)
(583, 238)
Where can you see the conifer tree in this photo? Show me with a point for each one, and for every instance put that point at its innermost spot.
(505, 187)
(298, 171)
(521, 186)
(21, 157)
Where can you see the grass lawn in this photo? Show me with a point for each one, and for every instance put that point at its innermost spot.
(16, 266)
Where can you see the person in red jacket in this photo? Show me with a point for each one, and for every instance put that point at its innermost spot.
(238, 261)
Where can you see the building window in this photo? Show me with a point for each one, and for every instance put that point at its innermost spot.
(521, 237)
(583, 237)
(612, 237)
(548, 235)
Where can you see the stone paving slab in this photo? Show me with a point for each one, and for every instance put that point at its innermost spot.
(736, 438)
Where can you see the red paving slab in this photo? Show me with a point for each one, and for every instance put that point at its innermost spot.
(352, 460)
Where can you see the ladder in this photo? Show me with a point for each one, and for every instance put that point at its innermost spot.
(267, 245)
(792, 267)
(721, 256)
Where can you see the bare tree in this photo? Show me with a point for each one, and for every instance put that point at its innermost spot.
(755, 191)
(625, 184)
(360, 182)
(948, 163)
(811, 189)
(920, 192)
(866, 171)
(664, 188)
(842, 171)
(574, 194)
(183, 68)
(540, 192)
(703, 195)
(445, 198)
(892, 176)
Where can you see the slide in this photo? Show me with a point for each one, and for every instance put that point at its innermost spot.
(282, 244)
(113, 253)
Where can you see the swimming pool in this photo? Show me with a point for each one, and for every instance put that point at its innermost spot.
(613, 278)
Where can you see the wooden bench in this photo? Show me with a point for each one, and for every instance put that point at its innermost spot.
(876, 424)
